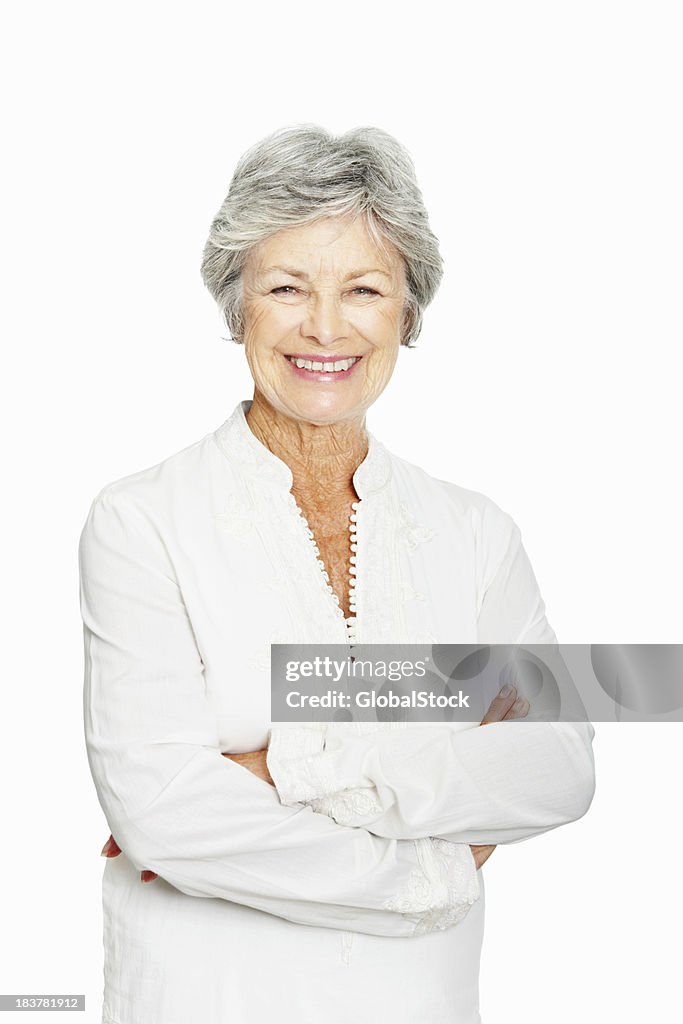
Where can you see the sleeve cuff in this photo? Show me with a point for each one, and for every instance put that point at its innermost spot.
(296, 764)
(305, 770)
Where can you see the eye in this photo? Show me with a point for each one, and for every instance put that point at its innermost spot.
(365, 291)
(285, 289)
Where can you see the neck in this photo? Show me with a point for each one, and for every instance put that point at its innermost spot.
(321, 456)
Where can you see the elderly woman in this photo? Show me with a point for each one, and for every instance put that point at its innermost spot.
(299, 875)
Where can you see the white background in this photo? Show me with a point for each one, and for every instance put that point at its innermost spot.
(547, 140)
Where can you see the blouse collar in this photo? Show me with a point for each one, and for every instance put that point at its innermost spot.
(237, 440)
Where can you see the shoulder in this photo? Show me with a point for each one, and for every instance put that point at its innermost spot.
(157, 494)
(444, 498)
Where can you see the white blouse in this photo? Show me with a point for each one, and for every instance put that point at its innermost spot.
(343, 894)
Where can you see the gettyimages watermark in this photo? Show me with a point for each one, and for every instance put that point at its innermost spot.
(457, 682)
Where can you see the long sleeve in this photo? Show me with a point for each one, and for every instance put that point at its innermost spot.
(510, 607)
(503, 783)
(499, 784)
(176, 806)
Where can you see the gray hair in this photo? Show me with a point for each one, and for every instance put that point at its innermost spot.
(302, 173)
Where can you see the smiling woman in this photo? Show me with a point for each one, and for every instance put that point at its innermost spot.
(305, 875)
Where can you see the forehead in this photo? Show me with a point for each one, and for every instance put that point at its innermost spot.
(327, 244)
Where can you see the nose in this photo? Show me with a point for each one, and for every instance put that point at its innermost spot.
(324, 321)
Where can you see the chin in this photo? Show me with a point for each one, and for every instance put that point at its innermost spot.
(323, 412)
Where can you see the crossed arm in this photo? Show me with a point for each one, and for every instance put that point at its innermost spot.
(505, 707)
(210, 824)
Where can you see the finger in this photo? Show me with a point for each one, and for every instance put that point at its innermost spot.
(500, 705)
(148, 876)
(110, 848)
(520, 709)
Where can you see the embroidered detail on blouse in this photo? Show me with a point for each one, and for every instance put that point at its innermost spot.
(413, 532)
(300, 778)
(348, 805)
(237, 518)
(299, 775)
(443, 890)
(293, 761)
(300, 740)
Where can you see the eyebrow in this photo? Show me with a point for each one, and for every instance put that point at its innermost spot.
(294, 272)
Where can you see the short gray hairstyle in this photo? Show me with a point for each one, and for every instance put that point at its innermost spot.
(302, 173)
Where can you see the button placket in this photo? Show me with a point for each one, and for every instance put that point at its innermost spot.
(350, 622)
(353, 572)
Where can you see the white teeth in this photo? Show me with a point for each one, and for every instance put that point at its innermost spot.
(309, 364)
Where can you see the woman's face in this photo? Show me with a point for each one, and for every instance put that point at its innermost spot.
(323, 293)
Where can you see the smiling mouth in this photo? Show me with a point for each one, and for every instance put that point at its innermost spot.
(330, 366)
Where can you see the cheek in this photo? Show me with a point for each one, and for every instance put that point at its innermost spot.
(257, 348)
(263, 328)
(381, 327)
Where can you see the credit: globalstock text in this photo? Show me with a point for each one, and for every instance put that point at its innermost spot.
(370, 699)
